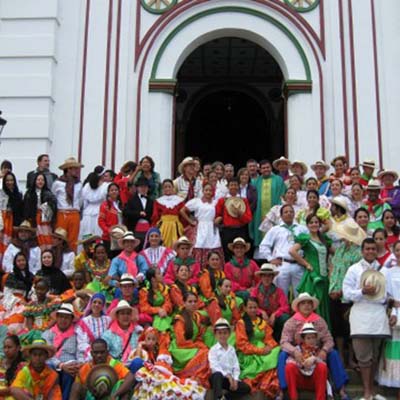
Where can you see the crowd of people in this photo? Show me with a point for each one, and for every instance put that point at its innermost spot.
(273, 279)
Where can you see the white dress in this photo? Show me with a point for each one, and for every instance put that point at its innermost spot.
(92, 199)
(207, 233)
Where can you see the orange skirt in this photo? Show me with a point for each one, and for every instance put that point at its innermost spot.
(266, 382)
(44, 231)
(8, 221)
(197, 368)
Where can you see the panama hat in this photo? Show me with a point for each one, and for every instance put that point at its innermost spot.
(60, 233)
(71, 162)
(350, 231)
(304, 297)
(308, 327)
(89, 238)
(122, 305)
(24, 226)
(39, 344)
(374, 278)
(342, 158)
(374, 184)
(341, 202)
(320, 163)
(184, 162)
(101, 380)
(268, 269)
(67, 309)
(128, 235)
(281, 160)
(239, 241)
(368, 164)
(127, 279)
(388, 172)
(301, 163)
(183, 240)
(221, 323)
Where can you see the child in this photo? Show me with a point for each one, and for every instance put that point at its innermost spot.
(308, 371)
(224, 364)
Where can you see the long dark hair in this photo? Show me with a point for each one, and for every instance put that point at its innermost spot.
(108, 199)
(14, 198)
(150, 274)
(182, 287)
(220, 297)
(247, 320)
(211, 271)
(12, 370)
(395, 227)
(30, 204)
(187, 317)
(312, 191)
(93, 178)
(27, 278)
(320, 235)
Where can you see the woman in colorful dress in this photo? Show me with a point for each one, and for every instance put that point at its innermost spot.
(391, 227)
(380, 237)
(154, 300)
(188, 351)
(257, 351)
(313, 207)
(316, 247)
(361, 216)
(166, 214)
(155, 254)
(340, 164)
(40, 209)
(206, 233)
(146, 170)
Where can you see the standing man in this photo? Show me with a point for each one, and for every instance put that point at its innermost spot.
(365, 287)
(43, 166)
(270, 188)
(229, 172)
(320, 169)
(187, 185)
(68, 191)
(252, 167)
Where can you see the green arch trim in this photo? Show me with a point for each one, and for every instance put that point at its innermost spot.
(242, 10)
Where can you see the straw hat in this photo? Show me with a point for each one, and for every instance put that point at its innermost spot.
(183, 240)
(308, 327)
(40, 344)
(320, 163)
(368, 164)
(374, 184)
(117, 231)
(341, 202)
(388, 172)
(281, 160)
(60, 233)
(235, 206)
(71, 162)
(25, 226)
(128, 235)
(221, 323)
(67, 309)
(122, 305)
(101, 380)
(374, 278)
(301, 163)
(342, 158)
(304, 297)
(239, 242)
(89, 238)
(268, 269)
(350, 231)
(127, 279)
(184, 162)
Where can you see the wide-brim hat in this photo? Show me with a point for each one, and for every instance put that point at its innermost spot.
(374, 184)
(67, 309)
(368, 164)
(184, 162)
(127, 279)
(87, 239)
(221, 323)
(71, 162)
(60, 233)
(235, 206)
(351, 231)
(374, 278)
(342, 158)
(268, 269)
(117, 231)
(183, 240)
(320, 163)
(341, 202)
(25, 226)
(241, 242)
(39, 344)
(128, 235)
(304, 297)
(122, 305)
(101, 379)
(280, 160)
(388, 172)
(301, 163)
(308, 327)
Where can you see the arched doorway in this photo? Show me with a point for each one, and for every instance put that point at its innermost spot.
(229, 105)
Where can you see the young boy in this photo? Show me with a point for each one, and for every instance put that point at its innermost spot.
(224, 364)
(308, 371)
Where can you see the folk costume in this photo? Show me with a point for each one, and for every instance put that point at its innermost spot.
(158, 257)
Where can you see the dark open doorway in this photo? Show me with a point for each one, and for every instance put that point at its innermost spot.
(229, 105)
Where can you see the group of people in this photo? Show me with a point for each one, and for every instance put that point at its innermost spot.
(272, 280)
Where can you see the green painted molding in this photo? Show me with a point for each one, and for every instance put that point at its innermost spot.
(242, 10)
(303, 9)
(155, 11)
(294, 86)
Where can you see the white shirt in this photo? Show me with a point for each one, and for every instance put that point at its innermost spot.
(34, 258)
(68, 264)
(278, 241)
(224, 361)
(58, 190)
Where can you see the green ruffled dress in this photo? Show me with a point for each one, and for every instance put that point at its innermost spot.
(162, 324)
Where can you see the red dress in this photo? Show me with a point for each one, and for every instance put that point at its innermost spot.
(108, 216)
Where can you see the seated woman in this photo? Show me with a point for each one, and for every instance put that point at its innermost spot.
(154, 301)
(304, 307)
(182, 248)
(189, 353)
(64, 257)
(19, 281)
(257, 351)
(155, 254)
(240, 270)
(272, 300)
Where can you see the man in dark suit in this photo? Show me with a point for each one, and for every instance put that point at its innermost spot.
(43, 165)
(138, 211)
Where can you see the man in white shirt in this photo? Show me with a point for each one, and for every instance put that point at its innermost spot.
(275, 249)
(369, 325)
(68, 189)
(224, 364)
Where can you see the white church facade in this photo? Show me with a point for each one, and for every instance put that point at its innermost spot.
(112, 80)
